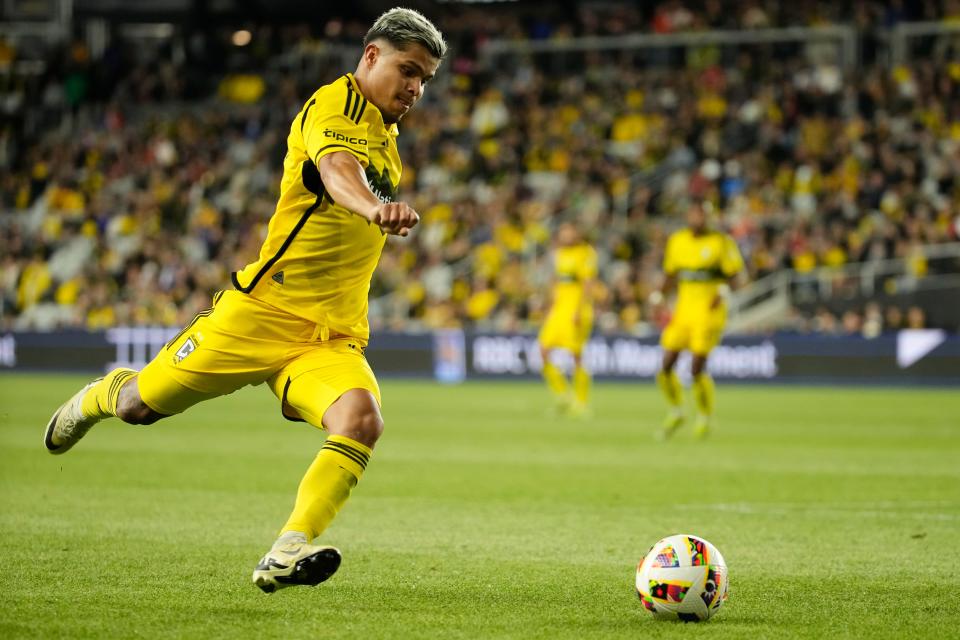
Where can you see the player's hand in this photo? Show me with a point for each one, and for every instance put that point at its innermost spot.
(395, 218)
(716, 302)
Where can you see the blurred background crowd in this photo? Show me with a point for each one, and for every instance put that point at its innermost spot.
(134, 177)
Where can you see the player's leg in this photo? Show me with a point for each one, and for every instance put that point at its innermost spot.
(702, 342)
(581, 387)
(340, 395)
(556, 380)
(673, 341)
(551, 337)
(669, 383)
(118, 394)
(581, 377)
(74, 418)
(704, 394)
(188, 370)
(354, 425)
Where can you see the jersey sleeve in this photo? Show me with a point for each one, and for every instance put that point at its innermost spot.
(732, 262)
(330, 122)
(670, 265)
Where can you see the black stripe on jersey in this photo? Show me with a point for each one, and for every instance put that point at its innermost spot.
(356, 107)
(355, 104)
(710, 274)
(283, 249)
(311, 178)
(306, 112)
(362, 109)
(349, 103)
(334, 146)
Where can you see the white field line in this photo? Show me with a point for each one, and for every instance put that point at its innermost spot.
(866, 510)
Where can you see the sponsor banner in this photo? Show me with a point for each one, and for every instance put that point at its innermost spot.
(908, 357)
(618, 357)
(921, 356)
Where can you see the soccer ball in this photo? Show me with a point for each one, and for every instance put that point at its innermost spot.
(682, 577)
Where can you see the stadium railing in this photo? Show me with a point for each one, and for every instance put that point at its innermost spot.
(766, 302)
(845, 39)
(939, 36)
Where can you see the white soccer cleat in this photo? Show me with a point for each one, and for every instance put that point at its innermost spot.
(296, 563)
(68, 423)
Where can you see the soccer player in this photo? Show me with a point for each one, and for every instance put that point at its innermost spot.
(703, 262)
(297, 315)
(570, 318)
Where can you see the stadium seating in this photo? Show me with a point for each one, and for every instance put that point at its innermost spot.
(136, 214)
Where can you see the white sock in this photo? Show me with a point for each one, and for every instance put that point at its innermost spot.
(290, 537)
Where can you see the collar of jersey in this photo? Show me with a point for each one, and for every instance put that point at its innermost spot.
(393, 130)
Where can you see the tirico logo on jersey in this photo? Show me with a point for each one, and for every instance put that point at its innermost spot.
(329, 133)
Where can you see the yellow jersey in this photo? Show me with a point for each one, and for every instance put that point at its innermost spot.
(701, 264)
(573, 267)
(318, 257)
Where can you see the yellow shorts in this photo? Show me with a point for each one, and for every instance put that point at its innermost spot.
(698, 334)
(242, 341)
(560, 332)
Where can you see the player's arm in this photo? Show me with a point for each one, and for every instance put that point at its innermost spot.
(589, 289)
(589, 271)
(549, 298)
(586, 298)
(345, 182)
(588, 282)
(728, 286)
(737, 280)
(669, 281)
(338, 144)
(732, 283)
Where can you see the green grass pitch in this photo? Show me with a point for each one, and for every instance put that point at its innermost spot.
(838, 512)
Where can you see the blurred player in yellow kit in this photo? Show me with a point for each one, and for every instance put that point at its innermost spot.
(297, 317)
(702, 262)
(570, 319)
